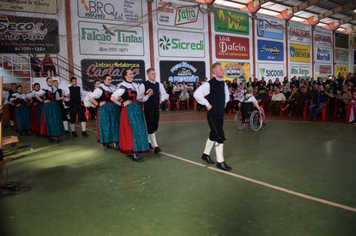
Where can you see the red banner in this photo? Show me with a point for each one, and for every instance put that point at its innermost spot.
(232, 47)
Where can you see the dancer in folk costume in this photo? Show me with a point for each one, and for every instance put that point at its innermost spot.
(76, 95)
(22, 118)
(133, 136)
(151, 106)
(214, 95)
(51, 121)
(351, 110)
(36, 108)
(63, 106)
(108, 116)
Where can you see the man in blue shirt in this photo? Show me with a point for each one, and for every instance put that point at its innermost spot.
(320, 98)
(35, 64)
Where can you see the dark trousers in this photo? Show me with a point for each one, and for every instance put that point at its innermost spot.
(339, 104)
(278, 106)
(216, 128)
(173, 104)
(294, 106)
(74, 110)
(12, 110)
(152, 119)
(46, 68)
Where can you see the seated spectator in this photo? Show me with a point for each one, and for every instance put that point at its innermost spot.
(320, 81)
(319, 99)
(255, 91)
(276, 83)
(255, 83)
(301, 101)
(176, 87)
(249, 83)
(277, 99)
(294, 83)
(290, 98)
(312, 81)
(270, 90)
(270, 83)
(262, 82)
(286, 93)
(262, 97)
(342, 99)
(48, 64)
(169, 88)
(237, 98)
(196, 86)
(286, 83)
(302, 83)
(184, 86)
(173, 98)
(35, 64)
(243, 84)
(234, 84)
(184, 97)
(250, 98)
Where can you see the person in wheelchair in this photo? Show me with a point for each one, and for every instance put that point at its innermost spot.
(249, 104)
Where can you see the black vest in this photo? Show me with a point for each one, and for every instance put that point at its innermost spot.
(75, 98)
(153, 101)
(216, 97)
(106, 95)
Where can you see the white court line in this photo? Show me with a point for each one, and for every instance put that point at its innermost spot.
(265, 184)
(262, 183)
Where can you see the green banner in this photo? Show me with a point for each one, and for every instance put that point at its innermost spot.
(231, 22)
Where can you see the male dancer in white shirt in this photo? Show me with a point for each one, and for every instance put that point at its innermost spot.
(217, 96)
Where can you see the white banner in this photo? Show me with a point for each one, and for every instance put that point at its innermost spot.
(180, 44)
(271, 71)
(323, 71)
(323, 54)
(123, 10)
(109, 39)
(299, 32)
(173, 14)
(342, 56)
(323, 37)
(303, 71)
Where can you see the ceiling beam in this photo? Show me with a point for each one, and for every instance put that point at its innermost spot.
(351, 29)
(338, 9)
(253, 6)
(347, 20)
(304, 5)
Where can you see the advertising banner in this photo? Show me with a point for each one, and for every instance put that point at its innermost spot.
(109, 39)
(323, 71)
(271, 71)
(300, 33)
(299, 53)
(231, 22)
(303, 71)
(96, 68)
(270, 28)
(342, 56)
(323, 54)
(28, 35)
(43, 6)
(180, 44)
(188, 71)
(232, 70)
(323, 37)
(341, 70)
(173, 14)
(127, 10)
(270, 50)
(232, 47)
(341, 40)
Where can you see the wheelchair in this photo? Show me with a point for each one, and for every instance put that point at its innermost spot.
(248, 114)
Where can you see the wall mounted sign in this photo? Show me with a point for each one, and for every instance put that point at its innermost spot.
(299, 53)
(231, 22)
(271, 71)
(232, 70)
(300, 33)
(270, 50)
(188, 71)
(270, 28)
(232, 47)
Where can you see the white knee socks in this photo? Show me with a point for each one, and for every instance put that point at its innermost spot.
(72, 127)
(209, 144)
(219, 149)
(84, 126)
(65, 124)
(152, 140)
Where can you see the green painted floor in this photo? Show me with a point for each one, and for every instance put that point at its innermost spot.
(81, 188)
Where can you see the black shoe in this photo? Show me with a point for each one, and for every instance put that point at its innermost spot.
(137, 158)
(223, 166)
(107, 145)
(207, 158)
(84, 133)
(21, 133)
(157, 150)
(57, 139)
(66, 132)
(150, 146)
(12, 128)
(74, 134)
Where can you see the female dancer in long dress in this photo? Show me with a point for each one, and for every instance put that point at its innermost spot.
(36, 108)
(133, 135)
(22, 118)
(108, 115)
(51, 118)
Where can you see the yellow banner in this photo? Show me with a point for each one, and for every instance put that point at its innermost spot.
(299, 53)
(232, 70)
(341, 70)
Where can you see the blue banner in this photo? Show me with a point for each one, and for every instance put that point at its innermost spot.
(270, 51)
(271, 29)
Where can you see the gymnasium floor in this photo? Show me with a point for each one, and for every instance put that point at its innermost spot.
(295, 177)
